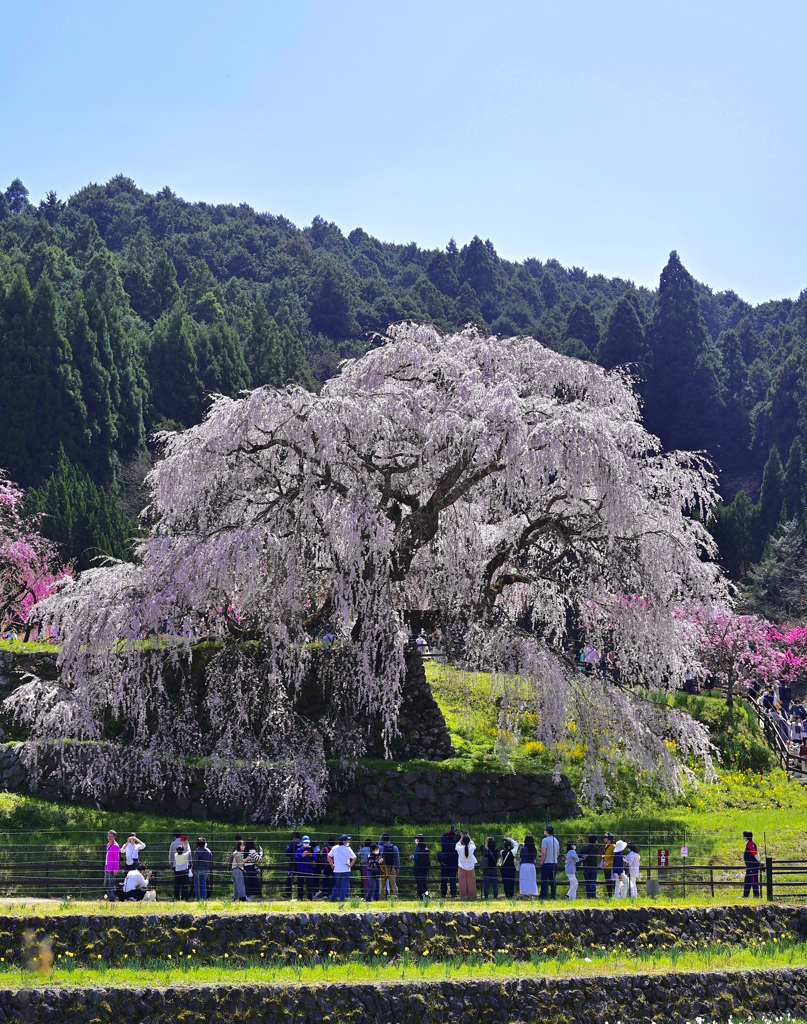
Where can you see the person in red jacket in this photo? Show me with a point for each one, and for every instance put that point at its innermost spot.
(752, 861)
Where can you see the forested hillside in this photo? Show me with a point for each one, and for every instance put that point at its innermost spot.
(120, 311)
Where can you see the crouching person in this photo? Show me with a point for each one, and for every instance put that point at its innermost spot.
(135, 883)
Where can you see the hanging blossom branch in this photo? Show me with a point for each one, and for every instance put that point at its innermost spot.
(499, 485)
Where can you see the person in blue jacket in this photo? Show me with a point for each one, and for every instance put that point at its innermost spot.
(304, 869)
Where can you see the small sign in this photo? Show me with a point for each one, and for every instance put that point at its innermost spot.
(663, 858)
(684, 851)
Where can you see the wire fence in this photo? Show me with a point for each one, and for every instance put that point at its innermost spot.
(70, 864)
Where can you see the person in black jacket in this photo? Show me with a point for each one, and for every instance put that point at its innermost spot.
(448, 861)
(508, 869)
(421, 861)
(590, 855)
(489, 859)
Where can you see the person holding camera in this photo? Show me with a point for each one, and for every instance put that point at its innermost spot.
(179, 859)
(135, 884)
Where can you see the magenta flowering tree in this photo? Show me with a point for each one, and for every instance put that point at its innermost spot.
(502, 487)
(29, 564)
(742, 648)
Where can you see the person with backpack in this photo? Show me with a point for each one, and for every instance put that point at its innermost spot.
(374, 873)
(466, 864)
(304, 869)
(363, 853)
(421, 862)
(390, 866)
(607, 863)
(253, 855)
(490, 860)
(449, 862)
(590, 855)
(619, 872)
(752, 861)
(321, 854)
(508, 867)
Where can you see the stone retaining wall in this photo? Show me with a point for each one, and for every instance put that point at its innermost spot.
(673, 998)
(444, 933)
(371, 795)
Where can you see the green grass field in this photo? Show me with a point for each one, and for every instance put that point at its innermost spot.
(595, 961)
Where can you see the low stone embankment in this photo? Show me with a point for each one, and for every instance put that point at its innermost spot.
(674, 998)
(404, 796)
(443, 933)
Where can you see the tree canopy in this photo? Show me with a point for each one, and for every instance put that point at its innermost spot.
(500, 486)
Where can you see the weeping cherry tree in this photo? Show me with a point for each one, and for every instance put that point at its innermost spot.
(507, 490)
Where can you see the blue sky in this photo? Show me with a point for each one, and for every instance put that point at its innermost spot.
(603, 135)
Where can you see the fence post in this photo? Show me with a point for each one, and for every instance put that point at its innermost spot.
(712, 880)
(769, 877)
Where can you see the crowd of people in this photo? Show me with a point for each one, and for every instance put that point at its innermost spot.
(788, 716)
(323, 870)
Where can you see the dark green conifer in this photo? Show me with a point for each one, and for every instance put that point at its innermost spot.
(684, 401)
(623, 341)
(771, 497)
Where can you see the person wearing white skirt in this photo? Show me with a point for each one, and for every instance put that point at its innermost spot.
(527, 881)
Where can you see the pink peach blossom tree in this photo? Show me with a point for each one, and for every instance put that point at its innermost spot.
(29, 564)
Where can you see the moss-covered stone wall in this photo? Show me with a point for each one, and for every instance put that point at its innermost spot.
(444, 933)
(673, 998)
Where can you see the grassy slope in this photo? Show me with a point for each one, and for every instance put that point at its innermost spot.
(710, 819)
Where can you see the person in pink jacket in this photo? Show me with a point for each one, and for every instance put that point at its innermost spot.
(112, 864)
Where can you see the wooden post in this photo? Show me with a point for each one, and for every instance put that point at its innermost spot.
(769, 877)
(712, 880)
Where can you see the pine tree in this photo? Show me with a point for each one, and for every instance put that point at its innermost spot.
(263, 355)
(99, 454)
(17, 197)
(771, 497)
(164, 287)
(61, 412)
(581, 324)
(735, 529)
(294, 360)
(233, 372)
(78, 515)
(549, 289)
(442, 275)
(468, 309)
(795, 482)
(478, 268)
(177, 389)
(16, 379)
(684, 402)
(623, 341)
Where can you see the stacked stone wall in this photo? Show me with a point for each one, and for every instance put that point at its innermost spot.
(672, 998)
(444, 933)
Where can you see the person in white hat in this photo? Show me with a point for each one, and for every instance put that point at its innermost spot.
(618, 872)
